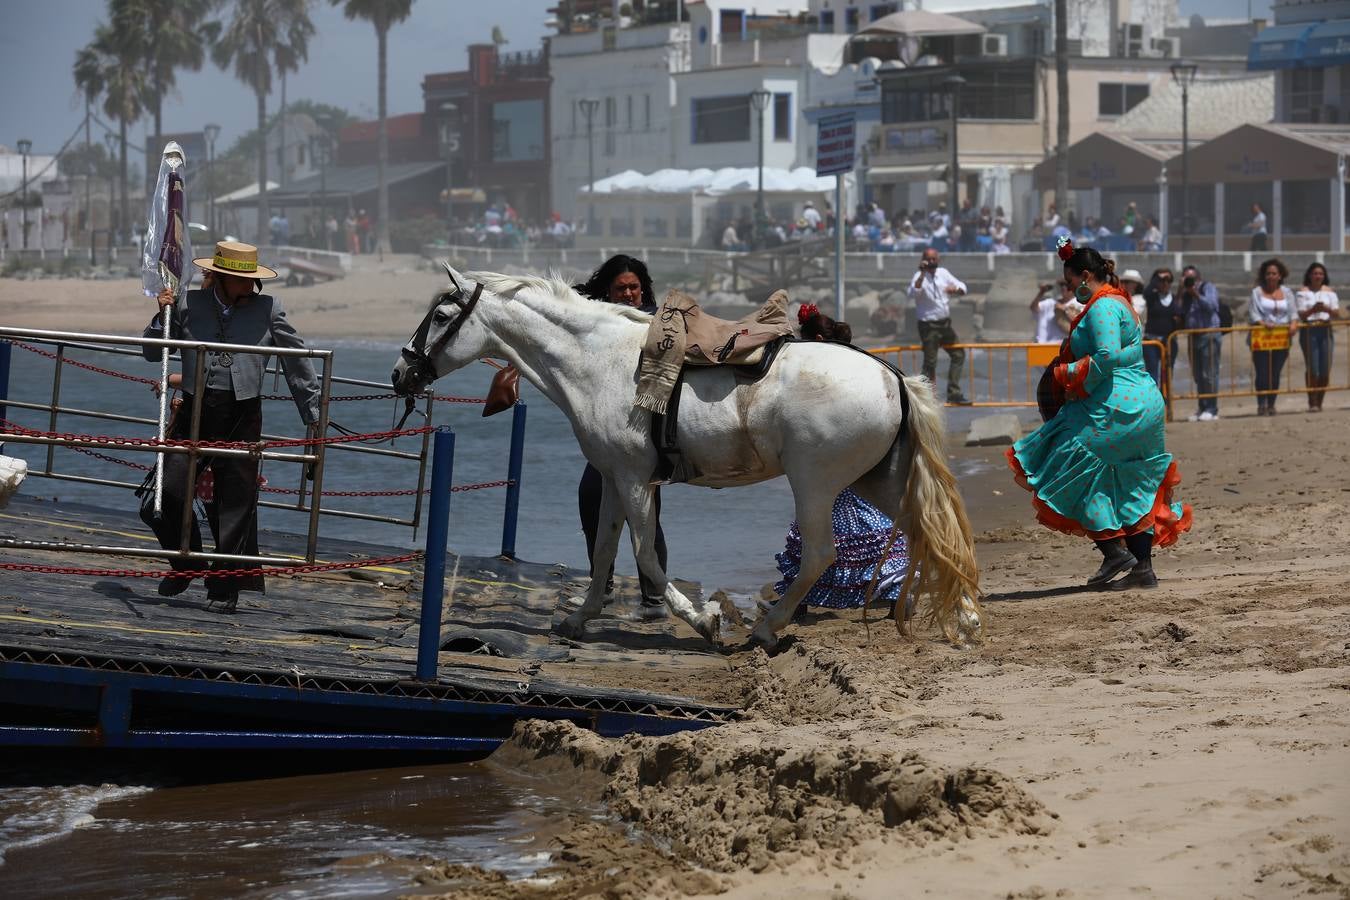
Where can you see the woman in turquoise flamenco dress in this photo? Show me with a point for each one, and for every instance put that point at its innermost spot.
(1098, 467)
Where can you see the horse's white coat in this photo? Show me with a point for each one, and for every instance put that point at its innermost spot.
(825, 416)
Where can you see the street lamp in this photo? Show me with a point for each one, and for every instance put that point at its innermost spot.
(212, 131)
(25, 145)
(760, 101)
(114, 219)
(953, 85)
(588, 108)
(1183, 73)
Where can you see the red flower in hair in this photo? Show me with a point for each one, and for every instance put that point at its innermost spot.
(806, 312)
(1065, 247)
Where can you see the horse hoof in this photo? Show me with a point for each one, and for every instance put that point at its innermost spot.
(763, 637)
(573, 627)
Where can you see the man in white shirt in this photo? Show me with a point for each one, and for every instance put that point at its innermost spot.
(811, 216)
(1257, 226)
(930, 289)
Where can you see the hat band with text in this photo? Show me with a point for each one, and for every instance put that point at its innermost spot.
(238, 265)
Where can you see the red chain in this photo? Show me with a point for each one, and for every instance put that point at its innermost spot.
(256, 446)
(222, 573)
(406, 492)
(83, 365)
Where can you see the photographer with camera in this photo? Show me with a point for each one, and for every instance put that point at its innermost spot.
(929, 289)
(1200, 309)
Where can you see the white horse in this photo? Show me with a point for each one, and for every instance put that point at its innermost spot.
(824, 415)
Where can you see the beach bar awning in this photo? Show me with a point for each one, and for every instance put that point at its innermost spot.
(341, 182)
(1106, 160)
(1329, 43)
(1280, 47)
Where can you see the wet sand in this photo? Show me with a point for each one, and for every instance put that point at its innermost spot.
(1189, 741)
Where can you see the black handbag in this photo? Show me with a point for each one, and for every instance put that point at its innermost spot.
(1049, 395)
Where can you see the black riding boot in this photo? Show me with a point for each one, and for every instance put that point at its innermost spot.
(1140, 577)
(1117, 559)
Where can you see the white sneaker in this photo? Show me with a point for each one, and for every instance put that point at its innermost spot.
(1193, 417)
(1208, 416)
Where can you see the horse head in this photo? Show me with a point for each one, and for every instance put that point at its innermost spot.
(449, 337)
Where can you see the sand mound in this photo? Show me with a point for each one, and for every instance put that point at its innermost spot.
(728, 805)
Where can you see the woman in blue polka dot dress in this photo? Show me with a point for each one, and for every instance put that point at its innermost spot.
(861, 531)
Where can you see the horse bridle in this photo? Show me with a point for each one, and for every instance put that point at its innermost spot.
(421, 358)
(421, 366)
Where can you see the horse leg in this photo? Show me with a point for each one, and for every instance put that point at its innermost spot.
(608, 526)
(640, 506)
(815, 522)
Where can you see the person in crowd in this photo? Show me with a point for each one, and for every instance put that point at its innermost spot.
(968, 220)
(876, 216)
(274, 229)
(1000, 245)
(1274, 309)
(1200, 309)
(861, 531)
(986, 222)
(353, 237)
(283, 229)
(1131, 217)
(1099, 466)
(1257, 227)
(931, 290)
(229, 309)
(811, 216)
(1051, 218)
(731, 241)
(999, 229)
(624, 280)
(365, 232)
(330, 232)
(1132, 283)
(1050, 310)
(1318, 306)
(1161, 318)
(1152, 239)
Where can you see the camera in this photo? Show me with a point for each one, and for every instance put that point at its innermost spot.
(1189, 281)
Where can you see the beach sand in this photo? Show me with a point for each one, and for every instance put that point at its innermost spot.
(1192, 741)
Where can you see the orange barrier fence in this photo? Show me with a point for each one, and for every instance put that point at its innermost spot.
(994, 374)
(1252, 355)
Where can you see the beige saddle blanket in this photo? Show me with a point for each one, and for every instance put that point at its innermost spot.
(683, 334)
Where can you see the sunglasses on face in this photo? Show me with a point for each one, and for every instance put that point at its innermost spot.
(1167, 278)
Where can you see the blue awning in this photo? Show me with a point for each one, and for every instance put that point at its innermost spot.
(1329, 43)
(1280, 47)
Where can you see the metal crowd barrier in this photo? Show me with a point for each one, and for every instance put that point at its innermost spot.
(1237, 371)
(1019, 364)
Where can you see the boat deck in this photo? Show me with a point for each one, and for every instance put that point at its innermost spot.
(322, 660)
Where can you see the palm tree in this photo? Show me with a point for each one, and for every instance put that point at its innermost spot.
(110, 67)
(175, 37)
(262, 37)
(1062, 115)
(383, 14)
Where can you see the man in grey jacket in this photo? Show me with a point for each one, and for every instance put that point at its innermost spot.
(227, 310)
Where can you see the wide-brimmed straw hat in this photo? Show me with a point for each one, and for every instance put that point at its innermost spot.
(235, 258)
(1132, 275)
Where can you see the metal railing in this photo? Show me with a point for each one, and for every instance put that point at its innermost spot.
(308, 494)
(193, 447)
(1238, 366)
(1019, 363)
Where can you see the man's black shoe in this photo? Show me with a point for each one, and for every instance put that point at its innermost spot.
(960, 401)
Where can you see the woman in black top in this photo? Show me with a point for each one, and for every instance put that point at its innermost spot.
(620, 279)
(1163, 318)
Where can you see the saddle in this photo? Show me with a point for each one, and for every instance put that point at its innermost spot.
(682, 334)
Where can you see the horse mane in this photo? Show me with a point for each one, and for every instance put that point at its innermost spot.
(554, 285)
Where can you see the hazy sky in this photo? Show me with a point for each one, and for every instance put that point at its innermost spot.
(40, 38)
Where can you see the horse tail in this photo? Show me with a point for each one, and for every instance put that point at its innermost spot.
(941, 546)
